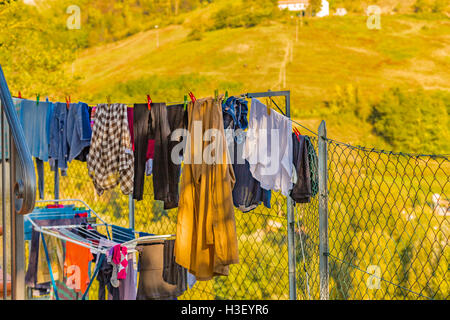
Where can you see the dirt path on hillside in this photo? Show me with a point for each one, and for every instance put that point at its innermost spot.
(288, 57)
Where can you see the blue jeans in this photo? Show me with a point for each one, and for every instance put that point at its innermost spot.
(58, 149)
(79, 130)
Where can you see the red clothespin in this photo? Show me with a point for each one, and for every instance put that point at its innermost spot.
(20, 95)
(297, 133)
(149, 102)
(191, 95)
(68, 103)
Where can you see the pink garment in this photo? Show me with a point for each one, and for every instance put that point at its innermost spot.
(120, 259)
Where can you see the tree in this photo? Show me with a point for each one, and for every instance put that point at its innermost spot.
(315, 6)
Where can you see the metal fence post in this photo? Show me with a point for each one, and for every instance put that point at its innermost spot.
(131, 209)
(291, 229)
(323, 213)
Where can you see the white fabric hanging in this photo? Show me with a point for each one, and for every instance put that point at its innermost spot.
(269, 149)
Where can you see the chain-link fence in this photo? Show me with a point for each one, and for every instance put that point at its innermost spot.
(388, 224)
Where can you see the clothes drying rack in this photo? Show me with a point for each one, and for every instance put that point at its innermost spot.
(86, 235)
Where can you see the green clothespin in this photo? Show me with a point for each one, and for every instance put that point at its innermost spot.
(226, 98)
(185, 102)
(216, 94)
(37, 100)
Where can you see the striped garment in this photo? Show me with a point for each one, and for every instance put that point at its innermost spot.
(111, 160)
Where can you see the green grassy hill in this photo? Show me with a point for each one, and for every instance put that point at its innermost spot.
(328, 54)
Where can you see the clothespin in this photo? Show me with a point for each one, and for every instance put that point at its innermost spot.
(268, 106)
(185, 102)
(226, 98)
(216, 94)
(68, 103)
(191, 95)
(37, 100)
(20, 95)
(297, 133)
(149, 102)
(108, 100)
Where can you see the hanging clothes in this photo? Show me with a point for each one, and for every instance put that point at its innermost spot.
(313, 166)
(206, 241)
(141, 135)
(111, 159)
(166, 173)
(76, 266)
(268, 148)
(35, 119)
(173, 273)
(33, 260)
(79, 132)
(152, 133)
(127, 286)
(151, 143)
(247, 191)
(301, 193)
(58, 150)
(104, 279)
(56, 256)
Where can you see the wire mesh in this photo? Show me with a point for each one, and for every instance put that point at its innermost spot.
(388, 224)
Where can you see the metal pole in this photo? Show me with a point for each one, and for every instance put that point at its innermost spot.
(291, 228)
(323, 213)
(56, 195)
(4, 251)
(131, 209)
(12, 208)
(17, 233)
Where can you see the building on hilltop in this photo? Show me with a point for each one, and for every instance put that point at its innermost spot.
(293, 5)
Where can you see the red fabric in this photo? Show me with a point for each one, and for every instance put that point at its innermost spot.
(81, 215)
(151, 149)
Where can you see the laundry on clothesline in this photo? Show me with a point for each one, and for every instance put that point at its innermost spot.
(255, 153)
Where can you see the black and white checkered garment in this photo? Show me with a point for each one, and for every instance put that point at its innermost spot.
(111, 159)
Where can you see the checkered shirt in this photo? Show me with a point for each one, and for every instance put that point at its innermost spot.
(111, 160)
